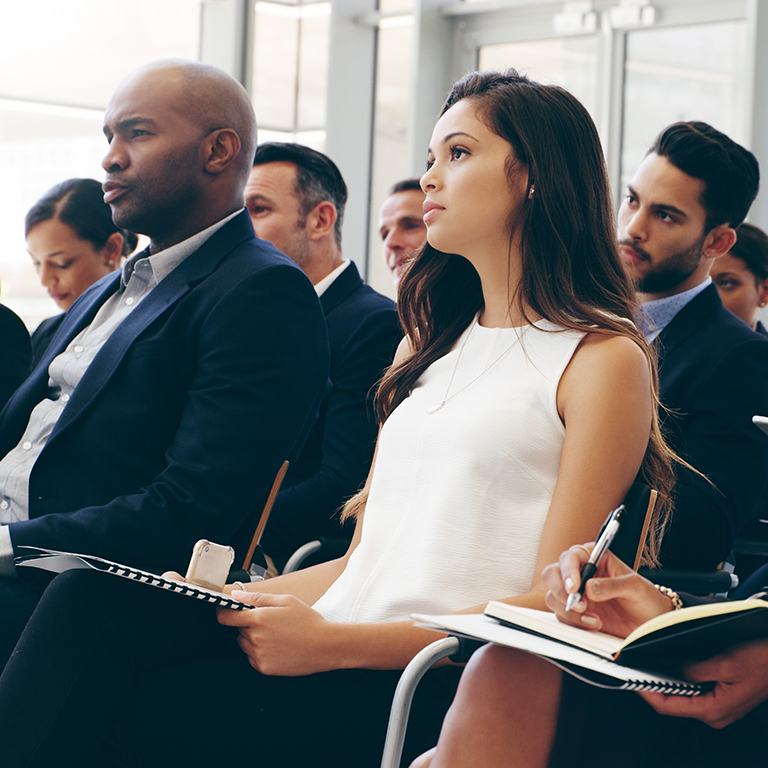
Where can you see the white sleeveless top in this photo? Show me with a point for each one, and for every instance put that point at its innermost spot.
(459, 496)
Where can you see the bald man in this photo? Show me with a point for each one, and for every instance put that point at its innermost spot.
(174, 390)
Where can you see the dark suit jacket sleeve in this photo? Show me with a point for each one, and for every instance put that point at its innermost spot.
(15, 353)
(721, 441)
(258, 367)
(308, 509)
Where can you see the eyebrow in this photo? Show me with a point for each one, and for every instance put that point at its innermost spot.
(257, 197)
(401, 220)
(130, 122)
(453, 135)
(48, 255)
(659, 206)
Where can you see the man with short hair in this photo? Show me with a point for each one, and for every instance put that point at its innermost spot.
(401, 225)
(693, 188)
(296, 199)
(173, 390)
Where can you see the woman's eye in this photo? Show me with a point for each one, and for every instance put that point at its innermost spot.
(457, 152)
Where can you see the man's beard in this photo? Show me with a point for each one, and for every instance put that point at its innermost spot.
(672, 271)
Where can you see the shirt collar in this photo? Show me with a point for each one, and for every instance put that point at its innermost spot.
(327, 281)
(165, 261)
(654, 316)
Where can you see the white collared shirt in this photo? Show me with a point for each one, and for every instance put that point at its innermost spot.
(328, 280)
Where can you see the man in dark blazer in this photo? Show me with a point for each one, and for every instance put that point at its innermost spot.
(15, 353)
(681, 208)
(296, 199)
(174, 390)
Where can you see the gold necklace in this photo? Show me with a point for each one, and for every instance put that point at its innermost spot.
(435, 408)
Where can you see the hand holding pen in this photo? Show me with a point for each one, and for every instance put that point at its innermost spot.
(616, 600)
(604, 541)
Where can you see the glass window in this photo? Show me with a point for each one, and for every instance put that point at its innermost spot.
(570, 62)
(697, 72)
(291, 44)
(60, 62)
(390, 144)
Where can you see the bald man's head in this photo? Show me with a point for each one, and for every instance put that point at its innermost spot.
(182, 138)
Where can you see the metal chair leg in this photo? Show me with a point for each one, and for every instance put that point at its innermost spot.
(403, 698)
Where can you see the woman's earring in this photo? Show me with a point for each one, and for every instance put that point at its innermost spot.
(531, 191)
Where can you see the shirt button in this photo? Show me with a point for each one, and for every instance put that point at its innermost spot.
(4, 504)
(65, 398)
(129, 301)
(77, 350)
(26, 445)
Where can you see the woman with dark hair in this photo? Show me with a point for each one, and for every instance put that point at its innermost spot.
(73, 243)
(520, 408)
(741, 276)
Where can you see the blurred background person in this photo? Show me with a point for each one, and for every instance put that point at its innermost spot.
(73, 243)
(401, 225)
(741, 276)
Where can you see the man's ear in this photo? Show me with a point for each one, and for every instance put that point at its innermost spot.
(718, 241)
(321, 220)
(220, 148)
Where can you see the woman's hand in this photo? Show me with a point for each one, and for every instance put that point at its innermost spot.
(282, 635)
(616, 599)
(173, 575)
(742, 683)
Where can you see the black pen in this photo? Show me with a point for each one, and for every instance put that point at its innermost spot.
(589, 569)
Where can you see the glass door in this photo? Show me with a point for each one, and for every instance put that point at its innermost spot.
(635, 65)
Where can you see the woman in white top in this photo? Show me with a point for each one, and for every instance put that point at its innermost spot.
(519, 409)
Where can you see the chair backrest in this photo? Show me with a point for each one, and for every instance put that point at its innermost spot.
(639, 504)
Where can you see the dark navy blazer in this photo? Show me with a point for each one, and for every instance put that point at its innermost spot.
(363, 333)
(15, 353)
(713, 373)
(179, 425)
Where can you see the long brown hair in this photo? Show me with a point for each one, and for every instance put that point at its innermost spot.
(572, 273)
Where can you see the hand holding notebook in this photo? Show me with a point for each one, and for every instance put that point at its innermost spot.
(742, 684)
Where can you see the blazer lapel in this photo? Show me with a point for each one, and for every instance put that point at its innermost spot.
(688, 320)
(196, 267)
(345, 284)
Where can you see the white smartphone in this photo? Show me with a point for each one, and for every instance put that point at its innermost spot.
(209, 565)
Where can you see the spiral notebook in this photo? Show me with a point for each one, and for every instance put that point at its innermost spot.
(586, 665)
(57, 562)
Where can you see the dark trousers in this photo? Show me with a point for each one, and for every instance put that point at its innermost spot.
(110, 672)
(17, 603)
(600, 728)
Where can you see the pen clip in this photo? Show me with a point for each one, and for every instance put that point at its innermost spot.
(615, 514)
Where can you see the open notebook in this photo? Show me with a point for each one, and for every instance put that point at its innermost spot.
(646, 660)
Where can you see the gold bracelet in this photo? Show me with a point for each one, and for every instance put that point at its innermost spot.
(677, 603)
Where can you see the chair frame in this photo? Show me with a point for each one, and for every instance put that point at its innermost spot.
(460, 649)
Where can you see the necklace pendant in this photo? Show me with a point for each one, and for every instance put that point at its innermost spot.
(435, 408)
